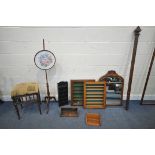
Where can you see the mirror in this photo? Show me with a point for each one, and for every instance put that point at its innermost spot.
(114, 88)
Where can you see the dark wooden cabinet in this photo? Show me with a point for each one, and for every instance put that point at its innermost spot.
(77, 91)
(63, 93)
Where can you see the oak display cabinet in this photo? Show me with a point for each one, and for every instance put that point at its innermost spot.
(95, 94)
(77, 91)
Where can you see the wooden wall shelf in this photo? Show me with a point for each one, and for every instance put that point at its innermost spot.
(94, 94)
(77, 91)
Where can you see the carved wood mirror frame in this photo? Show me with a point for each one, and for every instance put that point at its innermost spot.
(113, 74)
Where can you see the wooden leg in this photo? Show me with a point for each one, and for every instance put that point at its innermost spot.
(54, 98)
(19, 100)
(47, 100)
(21, 105)
(39, 103)
(17, 111)
(39, 107)
(47, 105)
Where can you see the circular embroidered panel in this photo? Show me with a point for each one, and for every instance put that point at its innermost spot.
(44, 59)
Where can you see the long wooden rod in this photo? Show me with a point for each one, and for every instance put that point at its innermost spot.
(137, 33)
(47, 85)
(147, 78)
(43, 44)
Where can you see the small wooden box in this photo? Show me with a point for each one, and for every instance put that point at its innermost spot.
(69, 112)
(93, 119)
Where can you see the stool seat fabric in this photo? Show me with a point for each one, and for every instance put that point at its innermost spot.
(25, 89)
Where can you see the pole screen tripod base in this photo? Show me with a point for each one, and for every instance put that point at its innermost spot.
(47, 100)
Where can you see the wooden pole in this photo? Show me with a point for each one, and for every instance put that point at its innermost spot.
(137, 33)
(147, 78)
(43, 44)
(47, 85)
(48, 97)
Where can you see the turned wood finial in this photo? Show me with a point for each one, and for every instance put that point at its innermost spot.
(137, 30)
(43, 44)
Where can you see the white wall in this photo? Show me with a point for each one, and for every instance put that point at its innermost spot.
(81, 52)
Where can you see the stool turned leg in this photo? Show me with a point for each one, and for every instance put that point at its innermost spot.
(17, 111)
(21, 105)
(39, 103)
(39, 107)
(20, 101)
